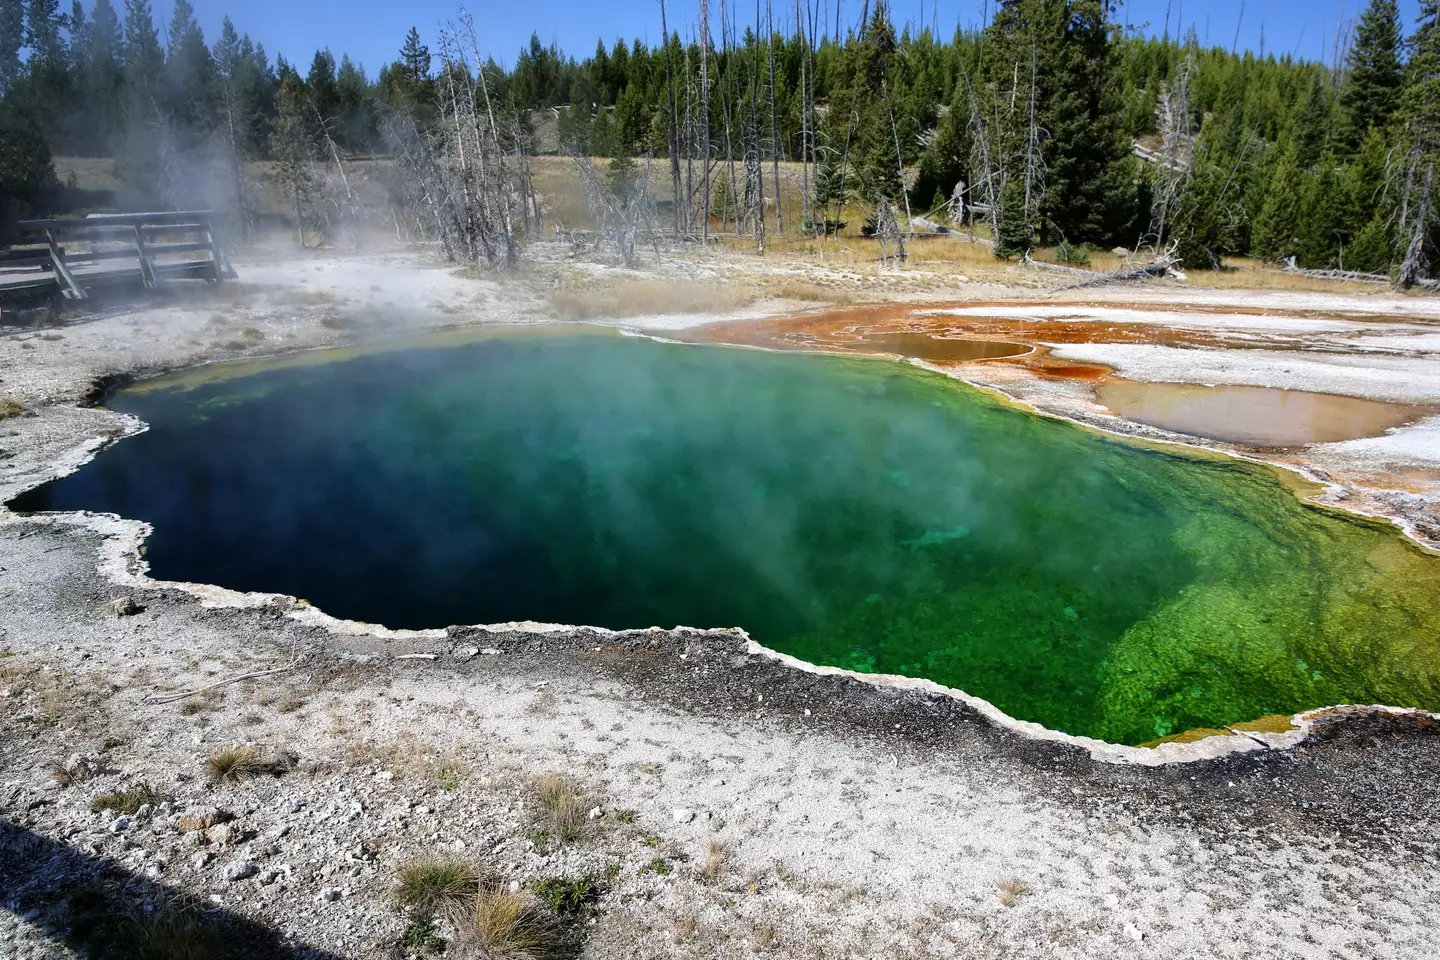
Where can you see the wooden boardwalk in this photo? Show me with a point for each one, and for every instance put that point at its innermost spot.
(75, 258)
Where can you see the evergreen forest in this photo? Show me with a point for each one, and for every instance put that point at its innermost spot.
(1050, 126)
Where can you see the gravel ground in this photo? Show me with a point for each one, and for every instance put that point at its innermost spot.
(734, 804)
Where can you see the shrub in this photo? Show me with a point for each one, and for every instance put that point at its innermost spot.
(1077, 255)
(565, 896)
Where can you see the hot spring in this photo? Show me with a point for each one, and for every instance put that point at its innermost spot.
(849, 511)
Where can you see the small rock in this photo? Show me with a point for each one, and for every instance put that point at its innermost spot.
(121, 824)
(465, 653)
(121, 607)
(683, 815)
(1112, 901)
(201, 859)
(514, 886)
(240, 870)
(331, 894)
(222, 835)
(385, 775)
(1133, 932)
(596, 813)
(292, 805)
(492, 652)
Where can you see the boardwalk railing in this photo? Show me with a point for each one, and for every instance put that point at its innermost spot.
(84, 252)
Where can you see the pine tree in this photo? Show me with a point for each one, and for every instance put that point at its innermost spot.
(291, 143)
(1372, 250)
(189, 76)
(142, 59)
(1311, 131)
(1373, 74)
(99, 78)
(1017, 233)
(874, 150)
(1275, 231)
(12, 40)
(1420, 116)
(1321, 227)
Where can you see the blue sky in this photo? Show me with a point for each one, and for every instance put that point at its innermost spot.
(371, 31)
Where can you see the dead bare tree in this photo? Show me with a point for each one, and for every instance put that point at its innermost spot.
(672, 133)
(1034, 152)
(348, 209)
(754, 158)
(1416, 264)
(1172, 174)
(887, 232)
(623, 210)
(460, 175)
(774, 122)
(705, 120)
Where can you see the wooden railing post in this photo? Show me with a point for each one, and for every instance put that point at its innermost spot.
(69, 288)
(147, 269)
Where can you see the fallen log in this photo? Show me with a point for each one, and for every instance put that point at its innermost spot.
(1029, 261)
(1355, 275)
(1165, 265)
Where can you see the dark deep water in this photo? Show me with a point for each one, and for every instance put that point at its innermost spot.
(855, 512)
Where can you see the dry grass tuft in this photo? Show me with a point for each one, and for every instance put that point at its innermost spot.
(717, 859)
(437, 882)
(500, 925)
(564, 807)
(1011, 891)
(127, 801)
(645, 298)
(174, 932)
(10, 407)
(232, 764)
(202, 702)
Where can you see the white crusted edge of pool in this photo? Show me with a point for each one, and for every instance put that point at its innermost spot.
(120, 559)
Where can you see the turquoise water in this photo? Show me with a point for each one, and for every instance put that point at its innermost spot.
(856, 512)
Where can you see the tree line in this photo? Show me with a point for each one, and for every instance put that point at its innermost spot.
(1050, 124)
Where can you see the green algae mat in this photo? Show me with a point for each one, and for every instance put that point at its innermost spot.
(854, 512)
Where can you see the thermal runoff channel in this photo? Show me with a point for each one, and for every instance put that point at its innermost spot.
(855, 512)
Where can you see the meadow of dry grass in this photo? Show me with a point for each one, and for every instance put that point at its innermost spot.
(956, 256)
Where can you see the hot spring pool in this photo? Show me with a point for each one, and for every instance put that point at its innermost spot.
(857, 512)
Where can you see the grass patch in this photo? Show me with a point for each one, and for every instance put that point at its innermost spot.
(564, 807)
(127, 801)
(174, 932)
(10, 407)
(645, 298)
(500, 925)
(438, 882)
